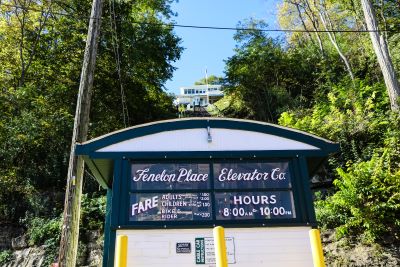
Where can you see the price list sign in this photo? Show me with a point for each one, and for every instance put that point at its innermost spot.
(171, 192)
(170, 207)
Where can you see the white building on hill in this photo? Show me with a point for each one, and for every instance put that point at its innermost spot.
(199, 95)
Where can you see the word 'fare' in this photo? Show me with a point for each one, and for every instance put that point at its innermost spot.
(145, 205)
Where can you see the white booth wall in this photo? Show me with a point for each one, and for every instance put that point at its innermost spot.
(246, 247)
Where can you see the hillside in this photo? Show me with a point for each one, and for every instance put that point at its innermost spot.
(330, 74)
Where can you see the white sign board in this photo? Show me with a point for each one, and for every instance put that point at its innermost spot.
(255, 247)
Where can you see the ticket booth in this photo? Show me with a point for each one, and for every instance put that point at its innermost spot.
(170, 182)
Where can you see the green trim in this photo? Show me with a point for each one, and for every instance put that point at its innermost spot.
(300, 183)
(298, 197)
(207, 154)
(124, 193)
(212, 188)
(147, 191)
(97, 158)
(111, 248)
(308, 196)
(211, 223)
(107, 229)
(116, 189)
(202, 226)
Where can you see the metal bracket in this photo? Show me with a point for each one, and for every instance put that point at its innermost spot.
(209, 138)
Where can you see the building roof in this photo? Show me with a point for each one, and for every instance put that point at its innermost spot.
(189, 138)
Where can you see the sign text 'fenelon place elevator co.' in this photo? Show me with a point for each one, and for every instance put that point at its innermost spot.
(211, 191)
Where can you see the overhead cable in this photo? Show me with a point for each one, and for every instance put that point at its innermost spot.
(174, 25)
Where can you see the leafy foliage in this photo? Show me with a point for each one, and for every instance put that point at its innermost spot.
(270, 77)
(301, 82)
(93, 212)
(356, 117)
(367, 200)
(41, 49)
(212, 79)
(43, 230)
(5, 256)
(41, 52)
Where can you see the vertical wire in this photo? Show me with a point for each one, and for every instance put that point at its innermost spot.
(115, 42)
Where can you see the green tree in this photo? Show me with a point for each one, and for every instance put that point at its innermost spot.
(41, 50)
(212, 79)
(355, 49)
(381, 49)
(267, 78)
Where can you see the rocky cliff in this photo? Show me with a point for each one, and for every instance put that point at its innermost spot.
(13, 243)
(347, 252)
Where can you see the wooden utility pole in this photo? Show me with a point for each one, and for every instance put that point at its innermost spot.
(72, 204)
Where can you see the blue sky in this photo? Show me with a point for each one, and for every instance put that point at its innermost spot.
(209, 48)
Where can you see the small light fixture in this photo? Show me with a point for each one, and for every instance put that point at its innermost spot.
(209, 138)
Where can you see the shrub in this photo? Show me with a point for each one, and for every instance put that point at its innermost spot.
(357, 117)
(93, 211)
(5, 256)
(43, 231)
(367, 201)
